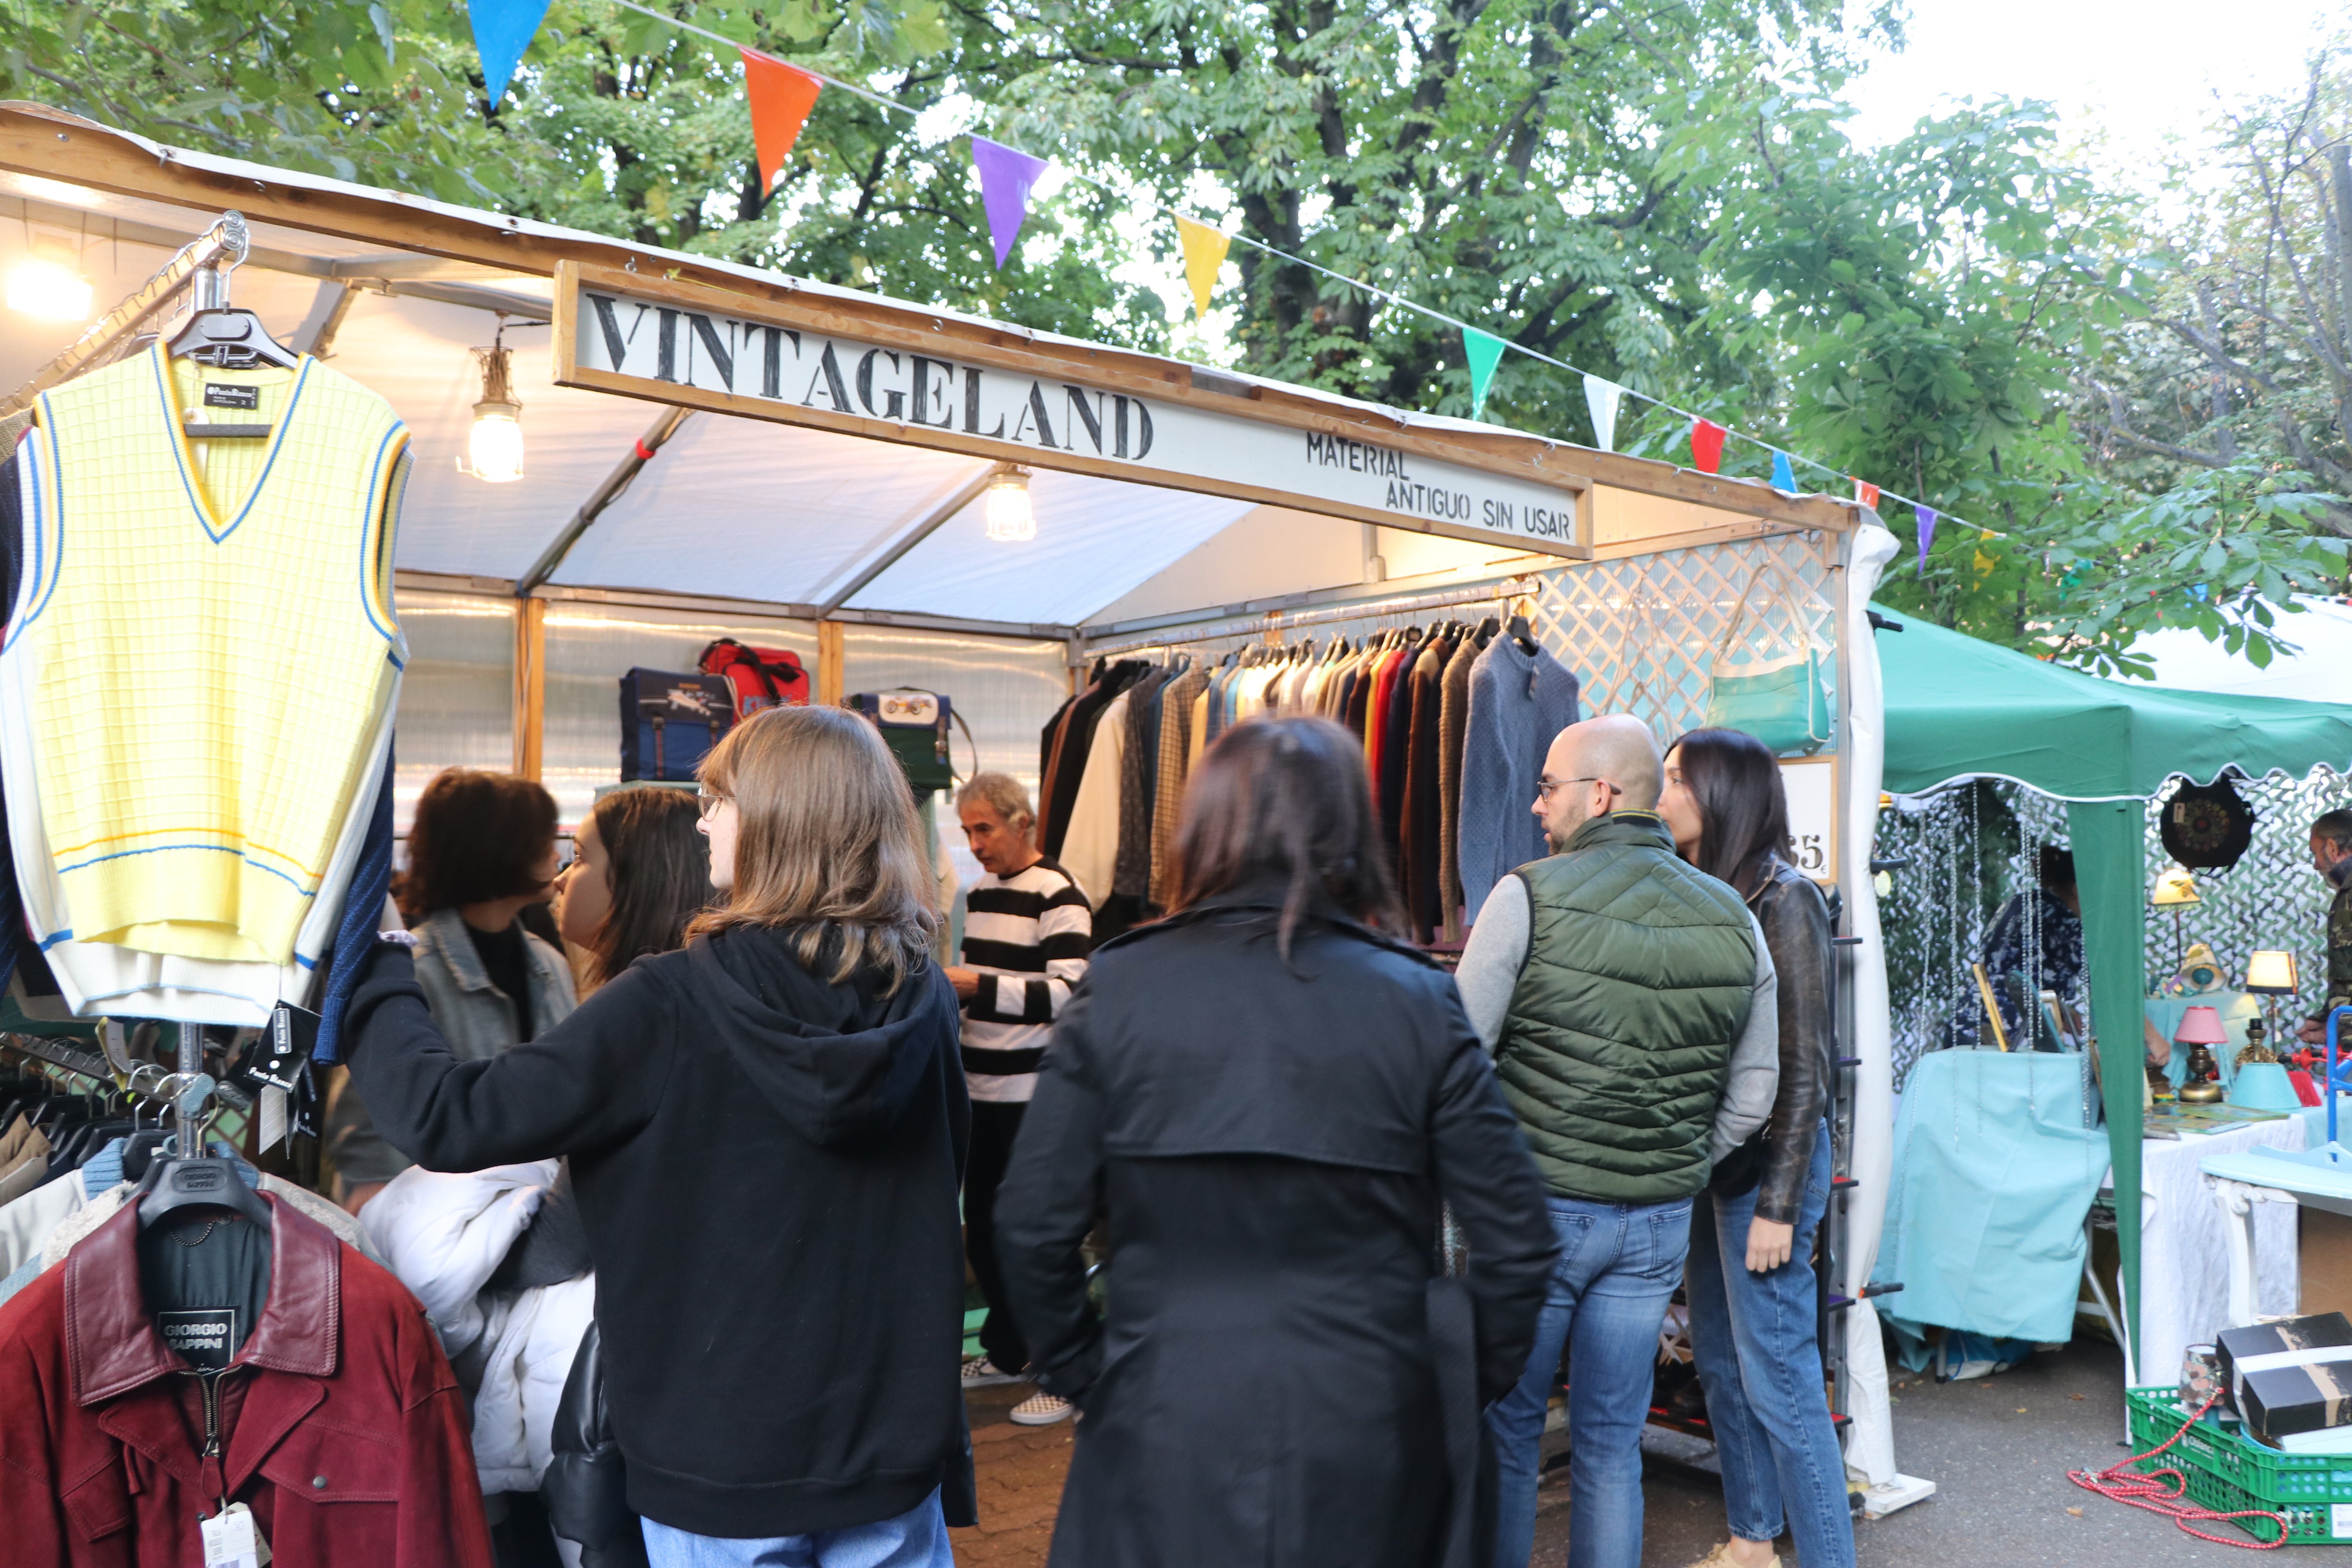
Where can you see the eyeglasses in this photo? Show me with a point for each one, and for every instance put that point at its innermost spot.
(709, 800)
(1545, 786)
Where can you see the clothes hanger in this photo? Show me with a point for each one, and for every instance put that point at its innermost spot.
(192, 1177)
(219, 334)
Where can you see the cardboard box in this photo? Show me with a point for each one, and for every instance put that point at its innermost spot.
(2278, 1337)
(2280, 1401)
(2326, 1256)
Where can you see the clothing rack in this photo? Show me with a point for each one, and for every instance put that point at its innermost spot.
(1275, 622)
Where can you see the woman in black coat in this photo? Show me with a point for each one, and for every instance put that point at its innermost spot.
(1269, 1098)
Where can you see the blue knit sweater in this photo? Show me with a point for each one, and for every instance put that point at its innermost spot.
(1518, 702)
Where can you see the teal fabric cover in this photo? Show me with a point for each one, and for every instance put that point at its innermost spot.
(1781, 702)
(1996, 1161)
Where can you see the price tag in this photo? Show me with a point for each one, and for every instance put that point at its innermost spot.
(233, 1540)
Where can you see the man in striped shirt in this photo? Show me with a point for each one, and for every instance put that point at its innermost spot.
(1026, 932)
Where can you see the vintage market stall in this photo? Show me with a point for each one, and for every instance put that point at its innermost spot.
(1958, 708)
(814, 470)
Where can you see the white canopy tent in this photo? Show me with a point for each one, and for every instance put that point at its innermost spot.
(2318, 668)
(668, 500)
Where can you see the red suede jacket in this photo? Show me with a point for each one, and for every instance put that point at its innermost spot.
(342, 1426)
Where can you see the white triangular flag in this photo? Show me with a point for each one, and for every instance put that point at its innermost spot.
(1600, 397)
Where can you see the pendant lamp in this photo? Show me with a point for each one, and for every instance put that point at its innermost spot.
(495, 444)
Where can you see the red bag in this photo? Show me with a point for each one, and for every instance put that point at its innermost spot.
(759, 677)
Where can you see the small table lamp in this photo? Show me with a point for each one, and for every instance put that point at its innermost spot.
(2174, 889)
(2200, 1030)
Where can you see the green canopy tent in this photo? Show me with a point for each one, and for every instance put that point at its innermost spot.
(1957, 707)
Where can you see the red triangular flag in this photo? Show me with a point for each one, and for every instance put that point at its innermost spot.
(1706, 445)
(781, 96)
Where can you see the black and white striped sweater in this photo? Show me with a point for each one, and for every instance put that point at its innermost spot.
(1028, 936)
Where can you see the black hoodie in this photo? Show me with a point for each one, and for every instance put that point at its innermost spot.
(767, 1166)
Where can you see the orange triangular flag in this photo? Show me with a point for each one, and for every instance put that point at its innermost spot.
(1865, 492)
(781, 96)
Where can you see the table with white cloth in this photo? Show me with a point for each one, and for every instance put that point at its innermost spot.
(2184, 1246)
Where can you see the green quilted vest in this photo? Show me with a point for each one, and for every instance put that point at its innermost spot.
(1639, 973)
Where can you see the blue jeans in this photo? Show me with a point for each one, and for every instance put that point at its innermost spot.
(1619, 1265)
(1759, 1361)
(916, 1539)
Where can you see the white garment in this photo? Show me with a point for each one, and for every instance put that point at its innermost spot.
(32, 1219)
(2184, 1274)
(534, 1336)
(1090, 842)
(445, 1234)
(100, 977)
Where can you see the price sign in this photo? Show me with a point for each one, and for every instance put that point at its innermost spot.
(1812, 787)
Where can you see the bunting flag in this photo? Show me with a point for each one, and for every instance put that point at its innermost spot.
(1485, 351)
(1601, 398)
(1784, 473)
(1927, 532)
(1706, 445)
(1867, 493)
(1204, 253)
(781, 96)
(502, 31)
(1006, 177)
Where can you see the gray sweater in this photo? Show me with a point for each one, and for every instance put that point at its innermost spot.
(1518, 702)
(1489, 972)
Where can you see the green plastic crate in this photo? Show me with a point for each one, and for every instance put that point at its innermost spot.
(2226, 1471)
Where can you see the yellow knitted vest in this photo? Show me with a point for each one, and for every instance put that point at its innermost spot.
(214, 637)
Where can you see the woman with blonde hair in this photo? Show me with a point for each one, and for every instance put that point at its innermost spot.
(766, 1130)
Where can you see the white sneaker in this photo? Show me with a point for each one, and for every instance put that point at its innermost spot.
(982, 1373)
(1042, 1409)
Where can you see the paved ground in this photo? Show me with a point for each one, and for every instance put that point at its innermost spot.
(1998, 1449)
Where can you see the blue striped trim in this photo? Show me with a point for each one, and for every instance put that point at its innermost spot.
(33, 583)
(179, 456)
(49, 941)
(378, 531)
(165, 848)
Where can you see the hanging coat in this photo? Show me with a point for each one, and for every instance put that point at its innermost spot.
(1271, 1143)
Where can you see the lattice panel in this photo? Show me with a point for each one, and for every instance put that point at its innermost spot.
(1971, 848)
(1644, 634)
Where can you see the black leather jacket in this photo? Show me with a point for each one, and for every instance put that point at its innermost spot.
(1797, 923)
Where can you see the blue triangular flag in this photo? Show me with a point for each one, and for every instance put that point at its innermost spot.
(502, 31)
(1784, 476)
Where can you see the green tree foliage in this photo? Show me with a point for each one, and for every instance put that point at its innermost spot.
(1660, 191)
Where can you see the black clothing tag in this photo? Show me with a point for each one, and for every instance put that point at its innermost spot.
(220, 396)
(204, 1338)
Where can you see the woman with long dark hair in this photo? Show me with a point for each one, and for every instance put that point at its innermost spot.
(1268, 1094)
(642, 875)
(1750, 1279)
(766, 1132)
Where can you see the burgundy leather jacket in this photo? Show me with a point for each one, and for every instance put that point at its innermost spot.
(340, 1423)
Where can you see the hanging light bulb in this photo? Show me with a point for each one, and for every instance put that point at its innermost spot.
(49, 289)
(1009, 518)
(496, 444)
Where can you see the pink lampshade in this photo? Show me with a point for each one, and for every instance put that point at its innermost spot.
(2201, 1027)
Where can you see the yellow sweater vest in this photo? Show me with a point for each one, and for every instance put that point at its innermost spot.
(213, 638)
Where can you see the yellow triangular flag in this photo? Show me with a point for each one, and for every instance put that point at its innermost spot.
(1204, 252)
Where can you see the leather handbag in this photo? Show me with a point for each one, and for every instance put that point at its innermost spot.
(1782, 701)
(585, 1488)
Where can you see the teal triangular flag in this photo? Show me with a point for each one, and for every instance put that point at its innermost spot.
(1784, 476)
(1485, 351)
(502, 30)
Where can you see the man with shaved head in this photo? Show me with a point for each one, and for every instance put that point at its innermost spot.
(1631, 1005)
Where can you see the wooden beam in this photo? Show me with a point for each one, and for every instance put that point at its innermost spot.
(828, 663)
(529, 687)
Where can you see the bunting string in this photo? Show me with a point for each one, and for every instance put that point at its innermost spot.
(1008, 174)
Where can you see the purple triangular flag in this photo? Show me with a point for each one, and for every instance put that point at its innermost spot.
(1926, 515)
(1006, 175)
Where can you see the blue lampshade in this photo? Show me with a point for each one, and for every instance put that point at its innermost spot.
(2264, 1086)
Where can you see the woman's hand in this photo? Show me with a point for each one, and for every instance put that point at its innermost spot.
(1769, 1242)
